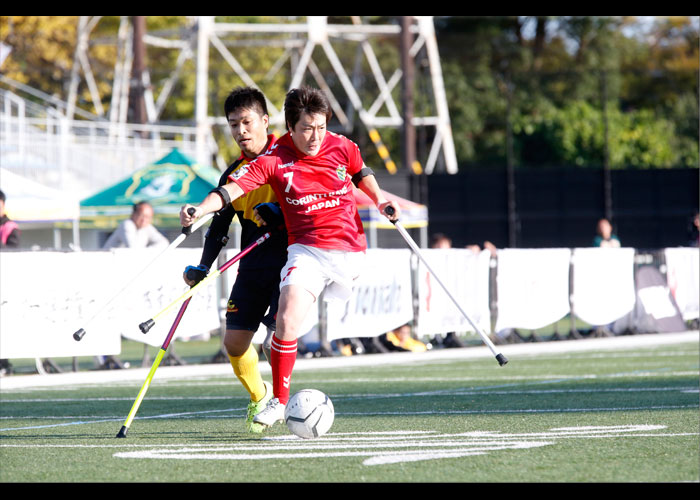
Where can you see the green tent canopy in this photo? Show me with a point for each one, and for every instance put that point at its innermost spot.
(167, 184)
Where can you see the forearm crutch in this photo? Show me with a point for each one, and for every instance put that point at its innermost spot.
(187, 297)
(186, 231)
(149, 323)
(152, 371)
(502, 360)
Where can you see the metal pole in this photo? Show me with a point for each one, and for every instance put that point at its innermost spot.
(607, 183)
(407, 85)
(204, 28)
(510, 169)
(502, 360)
(139, 50)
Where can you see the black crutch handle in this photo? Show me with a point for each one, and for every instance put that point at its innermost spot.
(389, 210)
(187, 230)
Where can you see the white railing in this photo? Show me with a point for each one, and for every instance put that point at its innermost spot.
(80, 155)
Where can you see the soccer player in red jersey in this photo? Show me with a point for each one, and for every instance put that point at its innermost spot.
(256, 288)
(311, 170)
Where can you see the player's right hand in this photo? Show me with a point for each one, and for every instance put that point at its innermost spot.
(187, 219)
(195, 274)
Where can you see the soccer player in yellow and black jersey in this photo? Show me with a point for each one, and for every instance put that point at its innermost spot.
(256, 288)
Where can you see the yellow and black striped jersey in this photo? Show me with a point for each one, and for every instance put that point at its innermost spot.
(273, 253)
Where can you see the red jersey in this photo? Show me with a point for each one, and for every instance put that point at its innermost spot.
(315, 192)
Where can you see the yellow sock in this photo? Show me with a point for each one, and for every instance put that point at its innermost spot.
(246, 369)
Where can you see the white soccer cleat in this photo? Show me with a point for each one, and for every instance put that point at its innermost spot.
(273, 413)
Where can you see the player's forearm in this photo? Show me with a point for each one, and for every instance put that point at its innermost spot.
(218, 199)
(369, 186)
(214, 202)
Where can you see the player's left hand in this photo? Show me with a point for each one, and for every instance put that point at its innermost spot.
(269, 214)
(397, 211)
(195, 274)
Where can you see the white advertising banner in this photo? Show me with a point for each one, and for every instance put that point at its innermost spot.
(47, 296)
(532, 287)
(381, 299)
(466, 275)
(683, 275)
(603, 284)
(44, 299)
(151, 293)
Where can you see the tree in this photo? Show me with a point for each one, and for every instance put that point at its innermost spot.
(556, 82)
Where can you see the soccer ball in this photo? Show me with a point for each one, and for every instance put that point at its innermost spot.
(309, 413)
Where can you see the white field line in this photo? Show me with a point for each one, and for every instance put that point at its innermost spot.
(386, 439)
(230, 381)
(530, 411)
(375, 448)
(485, 391)
(511, 351)
(381, 450)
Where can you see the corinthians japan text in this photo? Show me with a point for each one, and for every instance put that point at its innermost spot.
(323, 197)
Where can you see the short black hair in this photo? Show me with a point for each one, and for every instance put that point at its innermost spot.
(2, 196)
(245, 98)
(437, 237)
(137, 206)
(305, 100)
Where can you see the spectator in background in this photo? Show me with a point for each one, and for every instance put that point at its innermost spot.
(401, 337)
(137, 231)
(440, 240)
(493, 250)
(605, 236)
(9, 231)
(9, 238)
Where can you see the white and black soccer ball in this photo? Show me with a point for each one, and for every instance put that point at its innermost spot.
(309, 413)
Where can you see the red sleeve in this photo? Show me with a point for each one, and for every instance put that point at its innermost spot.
(254, 174)
(355, 161)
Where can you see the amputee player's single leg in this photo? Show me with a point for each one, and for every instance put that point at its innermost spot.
(295, 303)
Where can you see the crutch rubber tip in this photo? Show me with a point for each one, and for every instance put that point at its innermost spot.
(502, 360)
(122, 432)
(78, 336)
(146, 325)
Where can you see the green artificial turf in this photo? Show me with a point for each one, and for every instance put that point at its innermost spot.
(621, 416)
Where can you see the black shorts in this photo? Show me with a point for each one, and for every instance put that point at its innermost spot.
(254, 292)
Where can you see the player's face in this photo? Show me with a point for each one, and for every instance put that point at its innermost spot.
(249, 130)
(308, 133)
(143, 217)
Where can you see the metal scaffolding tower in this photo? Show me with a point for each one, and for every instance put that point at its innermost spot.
(317, 32)
(132, 78)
